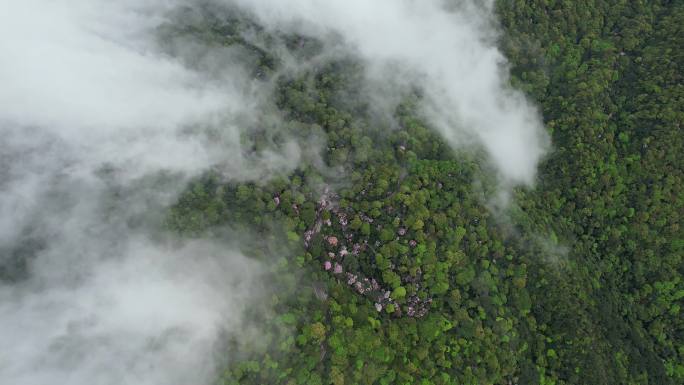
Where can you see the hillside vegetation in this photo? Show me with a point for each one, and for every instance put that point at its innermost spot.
(392, 267)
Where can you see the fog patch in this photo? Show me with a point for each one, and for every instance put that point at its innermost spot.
(101, 130)
(146, 315)
(447, 49)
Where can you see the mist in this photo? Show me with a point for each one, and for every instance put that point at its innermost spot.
(102, 129)
(447, 49)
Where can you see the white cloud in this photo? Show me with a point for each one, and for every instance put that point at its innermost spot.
(451, 55)
(85, 90)
(91, 109)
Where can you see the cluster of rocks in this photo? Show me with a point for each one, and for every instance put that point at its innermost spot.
(415, 306)
(332, 262)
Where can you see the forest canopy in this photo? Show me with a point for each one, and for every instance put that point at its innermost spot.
(345, 192)
(407, 275)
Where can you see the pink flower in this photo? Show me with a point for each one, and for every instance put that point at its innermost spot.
(338, 268)
(327, 265)
(343, 252)
(332, 241)
(412, 243)
(402, 231)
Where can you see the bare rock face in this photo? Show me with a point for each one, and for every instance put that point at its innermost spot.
(342, 245)
(319, 291)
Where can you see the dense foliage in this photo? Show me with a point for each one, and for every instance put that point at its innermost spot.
(391, 269)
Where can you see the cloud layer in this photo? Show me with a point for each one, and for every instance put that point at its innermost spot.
(448, 50)
(101, 130)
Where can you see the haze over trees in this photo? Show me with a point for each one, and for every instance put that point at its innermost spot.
(578, 281)
(405, 224)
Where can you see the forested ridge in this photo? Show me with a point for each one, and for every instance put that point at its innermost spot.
(390, 263)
